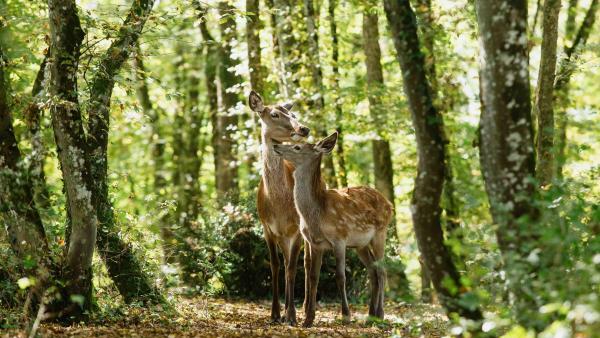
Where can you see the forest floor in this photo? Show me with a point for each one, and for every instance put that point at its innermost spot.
(216, 317)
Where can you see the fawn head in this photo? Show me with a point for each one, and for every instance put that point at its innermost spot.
(302, 153)
(281, 124)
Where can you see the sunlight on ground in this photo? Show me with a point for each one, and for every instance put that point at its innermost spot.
(208, 317)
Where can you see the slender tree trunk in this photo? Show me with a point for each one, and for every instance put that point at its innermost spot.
(123, 266)
(253, 26)
(288, 46)
(382, 155)
(450, 205)
(340, 151)
(66, 36)
(227, 120)
(158, 150)
(257, 73)
(34, 116)
(17, 211)
(545, 97)
(563, 77)
(506, 141)
(211, 61)
(317, 101)
(430, 170)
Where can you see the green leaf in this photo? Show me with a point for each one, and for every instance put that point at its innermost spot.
(79, 299)
(25, 282)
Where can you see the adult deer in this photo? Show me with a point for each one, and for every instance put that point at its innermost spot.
(336, 219)
(275, 200)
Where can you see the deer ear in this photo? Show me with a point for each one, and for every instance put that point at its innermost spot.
(327, 144)
(255, 102)
(288, 106)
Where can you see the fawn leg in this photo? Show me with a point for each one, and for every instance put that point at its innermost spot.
(368, 260)
(378, 245)
(315, 268)
(340, 276)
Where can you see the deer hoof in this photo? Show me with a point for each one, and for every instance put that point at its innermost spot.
(346, 319)
(291, 321)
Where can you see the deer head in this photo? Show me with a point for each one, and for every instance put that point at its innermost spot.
(279, 123)
(299, 154)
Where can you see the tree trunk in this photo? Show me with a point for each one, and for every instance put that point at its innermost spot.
(340, 151)
(66, 36)
(544, 103)
(211, 62)
(506, 141)
(157, 143)
(33, 116)
(227, 120)
(23, 223)
(430, 170)
(288, 46)
(563, 77)
(123, 266)
(257, 71)
(382, 155)
(317, 101)
(253, 26)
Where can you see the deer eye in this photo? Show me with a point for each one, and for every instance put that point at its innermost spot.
(274, 115)
(297, 148)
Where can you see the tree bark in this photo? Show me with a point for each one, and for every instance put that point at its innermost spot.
(340, 151)
(157, 149)
(429, 182)
(33, 116)
(226, 168)
(257, 71)
(563, 77)
(317, 101)
(506, 140)
(17, 211)
(545, 97)
(253, 25)
(288, 46)
(211, 62)
(66, 36)
(382, 155)
(424, 12)
(123, 266)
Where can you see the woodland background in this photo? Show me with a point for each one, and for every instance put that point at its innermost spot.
(159, 155)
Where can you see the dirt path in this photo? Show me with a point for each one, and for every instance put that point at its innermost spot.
(209, 317)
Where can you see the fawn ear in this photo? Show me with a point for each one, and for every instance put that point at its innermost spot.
(255, 102)
(327, 144)
(288, 106)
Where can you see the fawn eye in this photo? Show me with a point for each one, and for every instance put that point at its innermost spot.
(297, 148)
(274, 115)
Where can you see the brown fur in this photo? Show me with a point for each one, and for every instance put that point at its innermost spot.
(336, 219)
(275, 200)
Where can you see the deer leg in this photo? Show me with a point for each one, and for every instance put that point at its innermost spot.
(315, 268)
(366, 257)
(340, 277)
(378, 244)
(274, 261)
(290, 280)
(306, 274)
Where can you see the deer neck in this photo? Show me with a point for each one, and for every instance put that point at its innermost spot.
(309, 192)
(274, 170)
